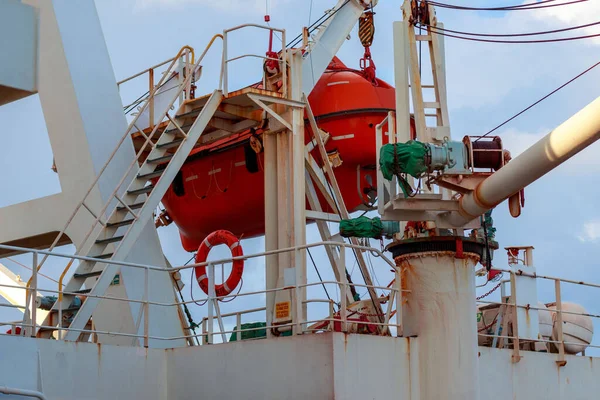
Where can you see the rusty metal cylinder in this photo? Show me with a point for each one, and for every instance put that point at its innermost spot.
(439, 309)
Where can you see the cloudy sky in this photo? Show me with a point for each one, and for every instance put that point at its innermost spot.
(487, 83)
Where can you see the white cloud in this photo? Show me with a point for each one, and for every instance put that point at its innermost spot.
(590, 232)
(573, 15)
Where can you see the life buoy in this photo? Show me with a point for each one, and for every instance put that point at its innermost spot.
(214, 239)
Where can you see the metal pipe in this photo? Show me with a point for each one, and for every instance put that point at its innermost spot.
(574, 135)
(22, 392)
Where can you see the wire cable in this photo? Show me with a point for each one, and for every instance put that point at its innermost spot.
(318, 274)
(536, 41)
(540, 100)
(515, 34)
(528, 6)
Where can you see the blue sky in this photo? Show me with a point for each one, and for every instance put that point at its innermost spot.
(486, 84)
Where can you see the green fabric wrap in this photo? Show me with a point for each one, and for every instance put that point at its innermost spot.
(361, 227)
(254, 334)
(409, 159)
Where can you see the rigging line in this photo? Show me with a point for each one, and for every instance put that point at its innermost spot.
(30, 269)
(324, 18)
(528, 6)
(318, 274)
(437, 32)
(516, 34)
(540, 100)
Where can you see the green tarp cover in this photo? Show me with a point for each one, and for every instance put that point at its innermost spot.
(255, 333)
(409, 159)
(361, 227)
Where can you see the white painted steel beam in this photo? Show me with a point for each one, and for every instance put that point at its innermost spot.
(571, 137)
(328, 41)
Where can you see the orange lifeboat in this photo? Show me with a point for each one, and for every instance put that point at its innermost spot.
(221, 186)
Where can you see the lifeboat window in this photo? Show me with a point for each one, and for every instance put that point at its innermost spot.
(178, 187)
(251, 159)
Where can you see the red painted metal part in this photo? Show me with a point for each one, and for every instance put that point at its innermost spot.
(220, 193)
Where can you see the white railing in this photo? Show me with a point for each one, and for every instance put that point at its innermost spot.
(342, 320)
(226, 60)
(502, 340)
(214, 327)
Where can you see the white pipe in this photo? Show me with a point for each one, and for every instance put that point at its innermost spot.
(574, 135)
(23, 392)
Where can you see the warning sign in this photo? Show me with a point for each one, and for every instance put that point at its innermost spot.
(282, 310)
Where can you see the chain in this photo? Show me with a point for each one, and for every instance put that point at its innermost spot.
(490, 292)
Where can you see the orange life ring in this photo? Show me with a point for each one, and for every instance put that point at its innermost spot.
(214, 239)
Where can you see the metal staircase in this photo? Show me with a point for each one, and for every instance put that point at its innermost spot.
(128, 210)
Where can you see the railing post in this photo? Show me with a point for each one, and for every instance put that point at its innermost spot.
(151, 99)
(204, 331)
(33, 293)
(343, 288)
(238, 330)
(224, 65)
(146, 306)
(561, 362)
(211, 295)
(516, 357)
(399, 305)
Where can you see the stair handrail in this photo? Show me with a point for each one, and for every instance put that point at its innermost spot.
(118, 146)
(186, 47)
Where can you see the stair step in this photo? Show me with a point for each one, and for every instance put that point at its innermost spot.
(170, 145)
(176, 131)
(70, 309)
(151, 175)
(103, 256)
(110, 240)
(82, 291)
(120, 223)
(87, 275)
(134, 206)
(145, 189)
(190, 113)
(160, 159)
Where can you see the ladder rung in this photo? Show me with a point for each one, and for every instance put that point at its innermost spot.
(151, 175)
(104, 256)
(87, 275)
(145, 189)
(109, 240)
(82, 291)
(160, 159)
(134, 206)
(431, 104)
(175, 130)
(70, 309)
(120, 223)
(170, 145)
(189, 113)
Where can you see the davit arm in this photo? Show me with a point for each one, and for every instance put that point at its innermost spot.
(574, 135)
